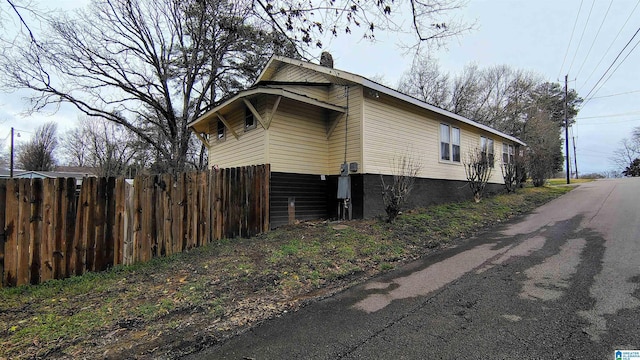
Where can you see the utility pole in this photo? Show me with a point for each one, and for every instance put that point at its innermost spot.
(566, 130)
(11, 161)
(575, 158)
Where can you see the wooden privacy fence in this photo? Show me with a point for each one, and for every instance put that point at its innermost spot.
(50, 230)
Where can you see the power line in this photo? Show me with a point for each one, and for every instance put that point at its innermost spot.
(571, 38)
(610, 115)
(616, 69)
(610, 122)
(611, 45)
(581, 36)
(610, 66)
(618, 94)
(594, 39)
(593, 153)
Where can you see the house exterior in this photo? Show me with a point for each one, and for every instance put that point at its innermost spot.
(307, 120)
(31, 174)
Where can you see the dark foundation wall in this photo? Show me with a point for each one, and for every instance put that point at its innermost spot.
(425, 192)
(309, 193)
(315, 198)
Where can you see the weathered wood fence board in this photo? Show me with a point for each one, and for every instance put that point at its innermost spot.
(50, 230)
(3, 200)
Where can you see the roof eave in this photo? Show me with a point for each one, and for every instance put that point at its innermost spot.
(266, 91)
(393, 93)
(383, 89)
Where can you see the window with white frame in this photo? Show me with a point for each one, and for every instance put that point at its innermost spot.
(449, 143)
(507, 153)
(220, 130)
(486, 147)
(249, 119)
(455, 144)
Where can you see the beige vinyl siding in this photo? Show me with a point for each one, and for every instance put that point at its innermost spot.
(289, 72)
(393, 130)
(315, 92)
(248, 149)
(297, 139)
(353, 128)
(474, 143)
(393, 133)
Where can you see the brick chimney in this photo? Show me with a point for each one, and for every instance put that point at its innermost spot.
(326, 59)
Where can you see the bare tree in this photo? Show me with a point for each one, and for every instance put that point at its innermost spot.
(396, 193)
(105, 146)
(38, 153)
(3, 156)
(155, 66)
(519, 101)
(498, 96)
(505, 99)
(151, 67)
(628, 151)
(74, 147)
(464, 92)
(425, 81)
(305, 23)
(16, 9)
(612, 174)
(512, 173)
(478, 168)
(544, 151)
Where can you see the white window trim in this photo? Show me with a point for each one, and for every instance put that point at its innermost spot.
(450, 161)
(244, 120)
(511, 152)
(224, 132)
(493, 149)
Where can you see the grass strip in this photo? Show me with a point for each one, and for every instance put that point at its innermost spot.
(230, 284)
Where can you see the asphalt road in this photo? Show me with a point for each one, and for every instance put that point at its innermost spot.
(562, 283)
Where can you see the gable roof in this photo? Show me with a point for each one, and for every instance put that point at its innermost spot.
(238, 98)
(31, 174)
(341, 77)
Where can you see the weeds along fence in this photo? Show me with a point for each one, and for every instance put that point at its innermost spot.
(50, 229)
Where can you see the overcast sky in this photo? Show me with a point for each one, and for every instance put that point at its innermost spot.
(528, 35)
(536, 35)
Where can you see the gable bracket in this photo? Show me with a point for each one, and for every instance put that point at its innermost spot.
(226, 123)
(255, 113)
(202, 138)
(273, 110)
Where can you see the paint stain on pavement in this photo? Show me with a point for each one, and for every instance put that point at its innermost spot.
(434, 277)
(525, 248)
(548, 280)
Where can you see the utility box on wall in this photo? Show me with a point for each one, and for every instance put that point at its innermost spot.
(344, 192)
(344, 187)
(344, 169)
